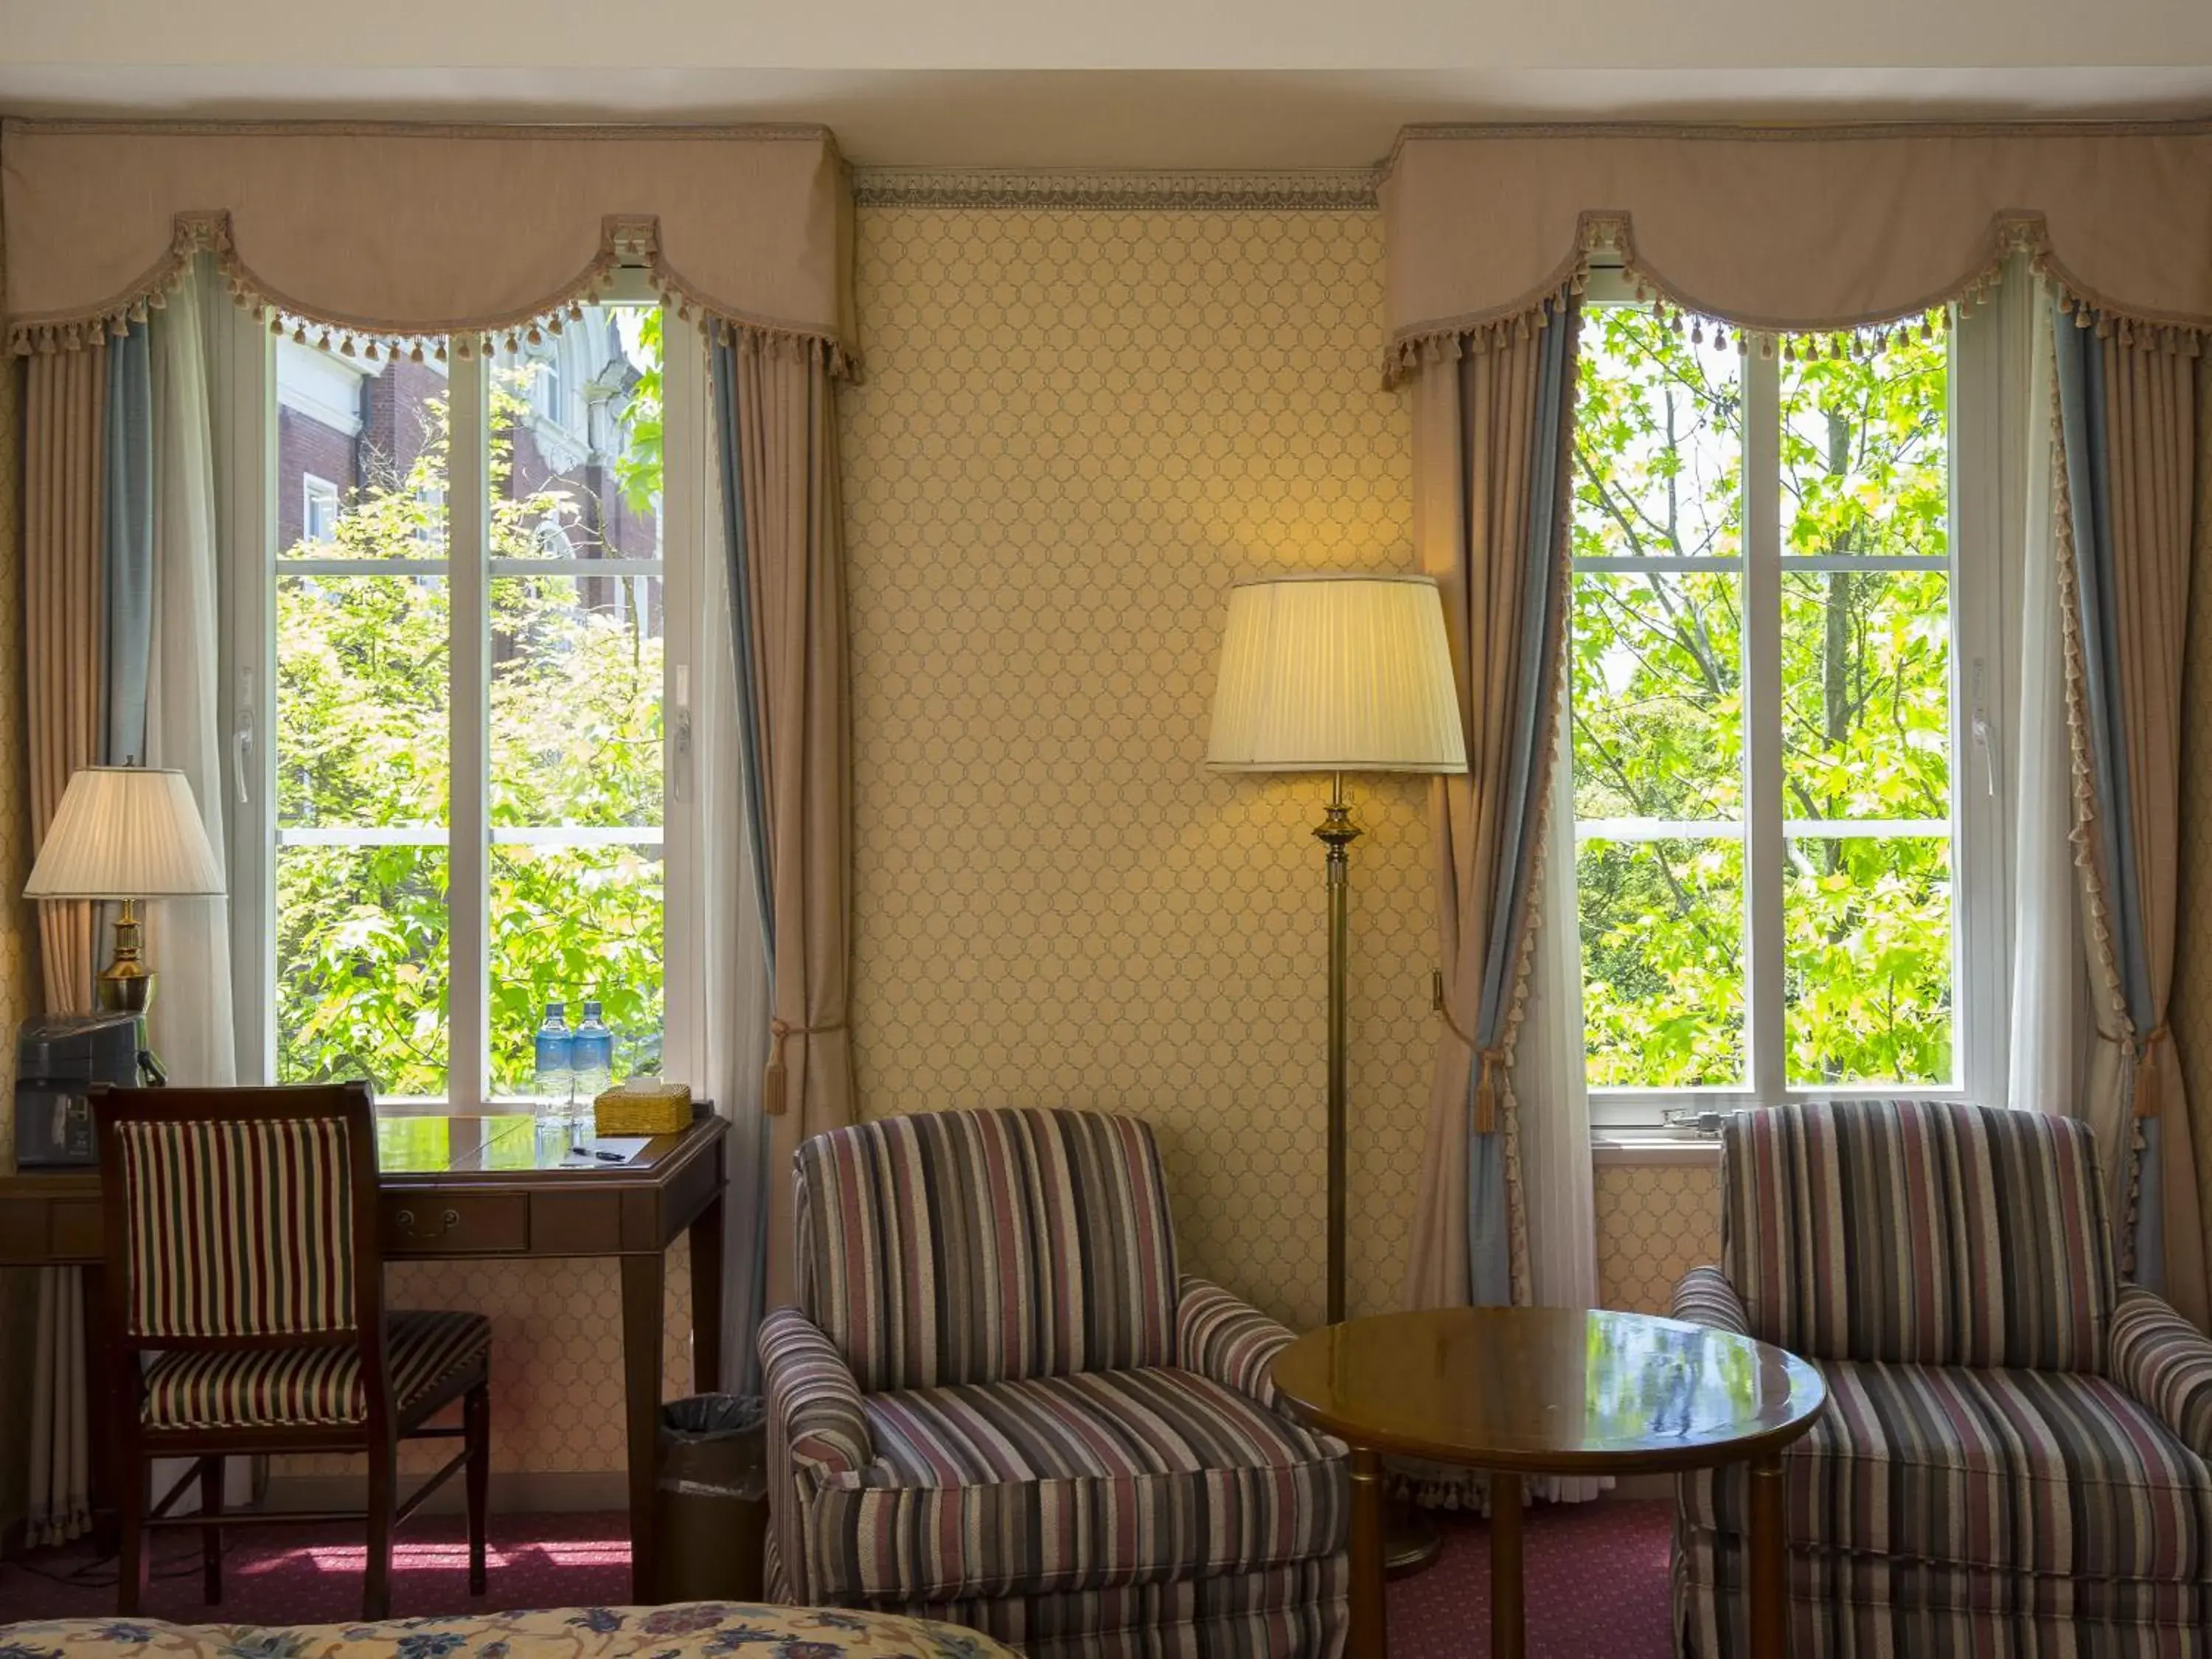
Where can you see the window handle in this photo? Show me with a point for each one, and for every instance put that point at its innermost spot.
(1984, 737)
(681, 781)
(241, 740)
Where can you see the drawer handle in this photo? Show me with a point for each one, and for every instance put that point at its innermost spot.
(449, 1220)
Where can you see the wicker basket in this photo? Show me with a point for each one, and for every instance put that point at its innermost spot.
(643, 1106)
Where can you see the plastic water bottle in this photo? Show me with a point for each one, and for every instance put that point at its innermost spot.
(594, 1060)
(555, 1079)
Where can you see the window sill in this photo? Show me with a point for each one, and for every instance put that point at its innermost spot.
(1618, 1149)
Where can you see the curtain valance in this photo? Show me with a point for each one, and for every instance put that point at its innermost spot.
(398, 236)
(1797, 230)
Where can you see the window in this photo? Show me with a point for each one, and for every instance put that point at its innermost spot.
(1770, 614)
(465, 808)
(318, 509)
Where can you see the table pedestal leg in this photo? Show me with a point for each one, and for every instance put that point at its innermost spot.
(1507, 1627)
(1371, 1630)
(1770, 1560)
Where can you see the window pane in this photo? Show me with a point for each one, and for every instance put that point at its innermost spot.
(1865, 466)
(1656, 694)
(570, 923)
(361, 724)
(361, 966)
(1662, 961)
(373, 438)
(1867, 923)
(1658, 454)
(1866, 694)
(576, 665)
(575, 457)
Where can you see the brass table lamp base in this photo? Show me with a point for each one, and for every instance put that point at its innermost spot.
(127, 984)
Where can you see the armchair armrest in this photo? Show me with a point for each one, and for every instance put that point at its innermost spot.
(2165, 1363)
(1227, 1342)
(1705, 1298)
(813, 1404)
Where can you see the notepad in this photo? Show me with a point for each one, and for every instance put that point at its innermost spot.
(606, 1152)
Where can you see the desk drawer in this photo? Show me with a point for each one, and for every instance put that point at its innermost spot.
(480, 1224)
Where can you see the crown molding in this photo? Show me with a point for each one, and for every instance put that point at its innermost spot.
(1319, 190)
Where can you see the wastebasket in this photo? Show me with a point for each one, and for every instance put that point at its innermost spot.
(712, 1501)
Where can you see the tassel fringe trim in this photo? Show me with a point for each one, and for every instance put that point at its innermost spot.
(1858, 337)
(632, 242)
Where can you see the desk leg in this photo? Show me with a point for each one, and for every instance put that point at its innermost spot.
(642, 1283)
(1371, 1628)
(1770, 1560)
(1508, 1628)
(707, 1299)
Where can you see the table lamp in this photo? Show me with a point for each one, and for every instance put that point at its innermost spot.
(126, 833)
(1336, 674)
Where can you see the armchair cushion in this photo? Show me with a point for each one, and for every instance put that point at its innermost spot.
(812, 1402)
(973, 1247)
(2165, 1363)
(1705, 1298)
(1073, 1483)
(1229, 1341)
(2018, 1471)
(1918, 1232)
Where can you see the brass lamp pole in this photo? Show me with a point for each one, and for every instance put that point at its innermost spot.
(1337, 672)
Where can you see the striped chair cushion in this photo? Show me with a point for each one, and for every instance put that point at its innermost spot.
(303, 1388)
(1073, 1483)
(238, 1229)
(1918, 1232)
(2031, 1472)
(2164, 1362)
(970, 1246)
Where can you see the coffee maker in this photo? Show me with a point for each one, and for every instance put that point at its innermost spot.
(57, 1059)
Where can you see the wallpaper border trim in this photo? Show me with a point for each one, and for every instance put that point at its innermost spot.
(1081, 190)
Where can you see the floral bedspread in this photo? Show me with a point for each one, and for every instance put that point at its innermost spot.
(691, 1630)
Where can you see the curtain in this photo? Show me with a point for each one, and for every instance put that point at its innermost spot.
(1492, 419)
(2046, 1068)
(2128, 412)
(784, 545)
(64, 482)
(188, 940)
(735, 993)
(1551, 1065)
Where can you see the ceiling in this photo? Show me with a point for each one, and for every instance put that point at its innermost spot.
(1140, 83)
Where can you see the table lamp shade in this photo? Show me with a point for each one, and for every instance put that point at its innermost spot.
(125, 832)
(1336, 674)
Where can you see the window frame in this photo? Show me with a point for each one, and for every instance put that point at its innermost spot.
(1985, 429)
(243, 395)
(317, 491)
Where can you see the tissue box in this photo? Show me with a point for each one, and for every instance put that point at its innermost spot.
(642, 1106)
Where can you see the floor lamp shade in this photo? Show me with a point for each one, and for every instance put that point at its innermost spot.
(125, 832)
(1329, 672)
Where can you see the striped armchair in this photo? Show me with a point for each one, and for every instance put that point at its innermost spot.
(2014, 1458)
(996, 1404)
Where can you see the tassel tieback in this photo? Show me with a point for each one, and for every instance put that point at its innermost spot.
(1486, 1091)
(2149, 1083)
(773, 1078)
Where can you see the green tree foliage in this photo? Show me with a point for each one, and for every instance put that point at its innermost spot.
(362, 744)
(1657, 687)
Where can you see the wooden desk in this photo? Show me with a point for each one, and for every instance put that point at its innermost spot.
(458, 1188)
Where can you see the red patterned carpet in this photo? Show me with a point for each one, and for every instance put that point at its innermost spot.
(1597, 1579)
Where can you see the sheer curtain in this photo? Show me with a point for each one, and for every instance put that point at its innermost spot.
(2048, 1061)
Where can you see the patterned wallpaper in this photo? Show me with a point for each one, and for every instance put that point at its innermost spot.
(1655, 1223)
(1077, 429)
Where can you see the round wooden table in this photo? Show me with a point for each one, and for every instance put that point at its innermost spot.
(1520, 1391)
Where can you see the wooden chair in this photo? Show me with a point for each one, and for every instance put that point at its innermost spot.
(245, 1316)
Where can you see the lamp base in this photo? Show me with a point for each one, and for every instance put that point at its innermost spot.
(127, 984)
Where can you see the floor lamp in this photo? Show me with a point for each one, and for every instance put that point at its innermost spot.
(1338, 672)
